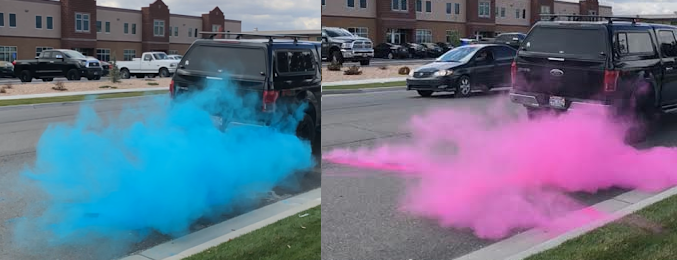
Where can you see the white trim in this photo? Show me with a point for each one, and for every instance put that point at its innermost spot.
(82, 19)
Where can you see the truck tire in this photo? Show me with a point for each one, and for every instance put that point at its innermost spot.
(124, 73)
(337, 57)
(73, 74)
(164, 72)
(25, 76)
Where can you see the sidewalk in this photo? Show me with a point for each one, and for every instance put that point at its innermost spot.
(361, 82)
(98, 92)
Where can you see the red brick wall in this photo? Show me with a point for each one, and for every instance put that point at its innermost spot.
(69, 37)
(215, 16)
(155, 11)
(394, 19)
(589, 5)
(536, 9)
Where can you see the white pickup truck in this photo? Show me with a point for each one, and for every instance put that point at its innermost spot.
(150, 64)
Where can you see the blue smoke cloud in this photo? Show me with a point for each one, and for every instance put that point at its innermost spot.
(157, 166)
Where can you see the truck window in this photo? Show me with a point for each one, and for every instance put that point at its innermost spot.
(634, 43)
(147, 57)
(667, 37)
(295, 61)
(583, 42)
(237, 61)
(505, 53)
(46, 55)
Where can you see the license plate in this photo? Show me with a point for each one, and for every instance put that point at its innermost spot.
(557, 102)
(96, 73)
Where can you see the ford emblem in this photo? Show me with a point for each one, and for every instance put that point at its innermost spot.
(557, 73)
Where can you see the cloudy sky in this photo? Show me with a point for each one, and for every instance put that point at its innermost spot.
(642, 6)
(266, 15)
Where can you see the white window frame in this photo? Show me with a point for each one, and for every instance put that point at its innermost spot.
(545, 9)
(215, 27)
(82, 22)
(125, 26)
(133, 29)
(484, 9)
(8, 54)
(42, 48)
(159, 26)
(426, 6)
(424, 34)
(517, 13)
(101, 52)
(176, 31)
(351, 7)
(416, 6)
(502, 11)
(457, 8)
(448, 7)
(127, 53)
(359, 31)
(42, 22)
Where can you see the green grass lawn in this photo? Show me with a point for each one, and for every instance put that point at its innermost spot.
(650, 233)
(370, 85)
(289, 238)
(31, 101)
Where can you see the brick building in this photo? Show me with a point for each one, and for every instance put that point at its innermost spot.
(435, 20)
(29, 26)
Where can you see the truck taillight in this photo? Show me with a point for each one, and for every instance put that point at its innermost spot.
(269, 98)
(610, 80)
(171, 89)
(513, 73)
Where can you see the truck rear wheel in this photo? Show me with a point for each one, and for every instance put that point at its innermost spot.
(124, 73)
(25, 76)
(164, 72)
(73, 74)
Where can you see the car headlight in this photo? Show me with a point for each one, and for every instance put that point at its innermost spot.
(83, 63)
(442, 73)
(411, 73)
(346, 45)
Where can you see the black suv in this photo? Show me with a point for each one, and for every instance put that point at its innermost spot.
(280, 72)
(609, 61)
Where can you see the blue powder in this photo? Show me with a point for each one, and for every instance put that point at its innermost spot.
(158, 166)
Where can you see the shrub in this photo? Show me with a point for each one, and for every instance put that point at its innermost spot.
(106, 86)
(334, 67)
(59, 86)
(153, 83)
(353, 70)
(404, 71)
(114, 70)
(2, 90)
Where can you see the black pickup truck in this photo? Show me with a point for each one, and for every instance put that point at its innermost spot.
(58, 63)
(614, 62)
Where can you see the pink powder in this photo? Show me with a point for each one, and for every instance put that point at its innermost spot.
(495, 178)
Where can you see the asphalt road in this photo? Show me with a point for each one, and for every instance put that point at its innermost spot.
(20, 130)
(360, 219)
(17, 81)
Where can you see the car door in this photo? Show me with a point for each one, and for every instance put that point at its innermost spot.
(668, 48)
(482, 67)
(504, 55)
(147, 63)
(58, 63)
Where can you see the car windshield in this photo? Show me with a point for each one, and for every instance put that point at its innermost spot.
(458, 54)
(73, 55)
(338, 32)
(160, 56)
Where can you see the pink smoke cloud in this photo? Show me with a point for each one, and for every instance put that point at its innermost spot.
(495, 175)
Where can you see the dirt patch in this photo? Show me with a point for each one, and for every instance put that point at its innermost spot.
(372, 72)
(77, 86)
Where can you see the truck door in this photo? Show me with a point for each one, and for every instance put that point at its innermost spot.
(44, 64)
(147, 63)
(57, 63)
(668, 48)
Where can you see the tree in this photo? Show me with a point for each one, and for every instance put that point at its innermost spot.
(114, 71)
(453, 38)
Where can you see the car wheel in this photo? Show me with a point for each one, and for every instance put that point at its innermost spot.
(73, 74)
(364, 62)
(25, 76)
(425, 93)
(463, 87)
(48, 79)
(305, 130)
(337, 57)
(390, 55)
(164, 72)
(124, 73)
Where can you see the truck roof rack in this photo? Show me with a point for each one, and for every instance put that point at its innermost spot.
(589, 18)
(270, 37)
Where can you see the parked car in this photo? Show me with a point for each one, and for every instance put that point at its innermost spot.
(416, 50)
(58, 63)
(6, 69)
(150, 64)
(511, 39)
(433, 50)
(390, 51)
(464, 69)
(339, 45)
(279, 71)
(445, 46)
(174, 57)
(623, 65)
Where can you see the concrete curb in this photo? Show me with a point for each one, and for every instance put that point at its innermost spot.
(534, 241)
(214, 235)
(80, 93)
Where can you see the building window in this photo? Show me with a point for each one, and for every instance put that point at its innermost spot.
(448, 8)
(133, 28)
(419, 5)
(103, 54)
(524, 13)
(351, 3)
(400, 5)
(2, 19)
(359, 31)
(107, 27)
(173, 52)
(176, 31)
(428, 6)
(38, 22)
(195, 32)
(159, 28)
(484, 9)
(363, 3)
(502, 11)
(98, 26)
(545, 9)
(190, 32)
(457, 8)
(517, 13)
(8, 53)
(129, 55)
(39, 50)
(12, 20)
(323, 3)
(50, 23)
(125, 28)
(81, 22)
(424, 36)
